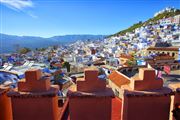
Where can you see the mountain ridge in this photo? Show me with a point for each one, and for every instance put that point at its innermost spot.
(8, 42)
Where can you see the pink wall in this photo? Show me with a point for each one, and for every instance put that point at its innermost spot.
(42, 108)
(90, 108)
(5, 106)
(92, 100)
(146, 108)
(177, 98)
(35, 99)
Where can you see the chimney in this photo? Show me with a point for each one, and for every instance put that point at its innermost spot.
(35, 98)
(91, 99)
(91, 82)
(146, 80)
(145, 98)
(34, 82)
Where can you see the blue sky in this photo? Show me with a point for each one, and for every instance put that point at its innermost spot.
(48, 18)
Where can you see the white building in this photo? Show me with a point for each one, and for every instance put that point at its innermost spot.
(176, 19)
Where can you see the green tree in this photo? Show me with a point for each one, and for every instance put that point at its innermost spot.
(24, 50)
(66, 65)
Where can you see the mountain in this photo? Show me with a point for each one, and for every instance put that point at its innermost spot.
(160, 15)
(8, 43)
(73, 38)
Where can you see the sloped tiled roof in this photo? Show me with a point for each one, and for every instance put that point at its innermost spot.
(127, 56)
(118, 78)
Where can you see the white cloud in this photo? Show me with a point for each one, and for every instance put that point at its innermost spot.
(20, 5)
(17, 4)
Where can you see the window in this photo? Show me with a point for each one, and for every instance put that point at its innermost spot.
(173, 54)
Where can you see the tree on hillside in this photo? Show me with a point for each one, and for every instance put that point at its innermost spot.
(24, 50)
(66, 65)
(153, 20)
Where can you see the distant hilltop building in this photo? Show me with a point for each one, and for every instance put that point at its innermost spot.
(171, 51)
(167, 9)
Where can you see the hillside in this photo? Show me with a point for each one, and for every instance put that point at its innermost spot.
(151, 20)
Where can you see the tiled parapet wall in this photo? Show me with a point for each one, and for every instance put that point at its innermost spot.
(146, 105)
(5, 104)
(35, 98)
(146, 80)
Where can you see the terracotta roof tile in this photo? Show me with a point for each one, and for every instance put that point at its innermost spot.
(128, 56)
(164, 48)
(118, 78)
